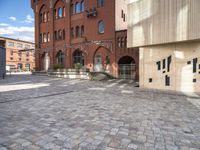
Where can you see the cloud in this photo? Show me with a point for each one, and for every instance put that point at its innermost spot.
(4, 24)
(12, 18)
(29, 19)
(22, 33)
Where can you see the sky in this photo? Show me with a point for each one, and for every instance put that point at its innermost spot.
(17, 19)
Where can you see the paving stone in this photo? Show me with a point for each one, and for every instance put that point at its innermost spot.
(38, 112)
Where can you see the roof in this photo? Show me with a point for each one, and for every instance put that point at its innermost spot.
(6, 38)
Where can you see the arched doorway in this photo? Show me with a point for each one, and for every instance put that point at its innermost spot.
(60, 56)
(101, 60)
(46, 61)
(78, 57)
(98, 66)
(127, 68)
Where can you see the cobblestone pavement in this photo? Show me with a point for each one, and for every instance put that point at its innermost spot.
(38, 112)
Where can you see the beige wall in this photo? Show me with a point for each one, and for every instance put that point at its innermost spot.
(119, 22)
(181, 74)
(162, 21)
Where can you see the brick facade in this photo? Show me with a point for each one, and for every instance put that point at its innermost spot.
(72, 35)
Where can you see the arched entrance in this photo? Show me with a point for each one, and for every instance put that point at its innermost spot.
(101, 60)
(60, 56)
(127, 68)
(46, 61)
(78, 57)
(98, 66)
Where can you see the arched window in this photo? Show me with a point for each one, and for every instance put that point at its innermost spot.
(60, 58)
(60, 13)
(122, 42)
(48, 16)
(55, 14)
(82, 31)
(55, 35)
(44, 38)
(72, 32)
(82, 6)
(101, 27)
(44, 17)
(41, 38)
(78, 57)
(77, 31)
(64, 12)
(78, 8)
(72, 9)
(41, 18)
(63, 37)
(48, 37)
(60, 34)
(119, 42)
(125, 42)
(100, 3)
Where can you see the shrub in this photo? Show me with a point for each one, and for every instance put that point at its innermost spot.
(77, 66)
(58, 66)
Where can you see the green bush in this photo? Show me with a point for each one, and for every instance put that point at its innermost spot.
(58, 66)
(77, 66)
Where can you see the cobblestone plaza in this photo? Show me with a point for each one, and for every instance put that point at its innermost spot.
(38, 112)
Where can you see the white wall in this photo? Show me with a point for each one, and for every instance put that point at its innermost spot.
(153, 22)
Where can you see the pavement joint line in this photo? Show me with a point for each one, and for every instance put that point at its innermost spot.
(35, 97)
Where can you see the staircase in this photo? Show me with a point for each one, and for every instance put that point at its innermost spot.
(100, 76)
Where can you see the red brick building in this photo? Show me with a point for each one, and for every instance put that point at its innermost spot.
(88, 32)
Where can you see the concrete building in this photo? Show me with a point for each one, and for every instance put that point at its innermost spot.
(2, 59)
(85, 32)
(20, 55)
(168, 37)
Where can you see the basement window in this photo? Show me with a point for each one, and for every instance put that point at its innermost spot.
(167, 80)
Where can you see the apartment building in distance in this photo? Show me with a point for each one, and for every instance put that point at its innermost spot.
(20, 55)
(2, 60)
(92, 33)
(168, 37)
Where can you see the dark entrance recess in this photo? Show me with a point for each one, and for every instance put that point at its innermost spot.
(127, 68)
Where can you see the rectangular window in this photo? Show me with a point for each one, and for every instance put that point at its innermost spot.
(124, 17)
(10, 44)
(167, 80)
(11, 52)
(19, 45)
(195, 65)
(164, 63)
(150, 80)
(27, 46)
(158, 64)
(169, 60)
(122, 14)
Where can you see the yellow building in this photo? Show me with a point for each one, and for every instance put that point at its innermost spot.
(167, 34)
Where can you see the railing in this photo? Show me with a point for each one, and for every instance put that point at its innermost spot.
(127, 71)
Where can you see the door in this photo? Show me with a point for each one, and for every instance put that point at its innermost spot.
(98, 67)
(46, 62)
